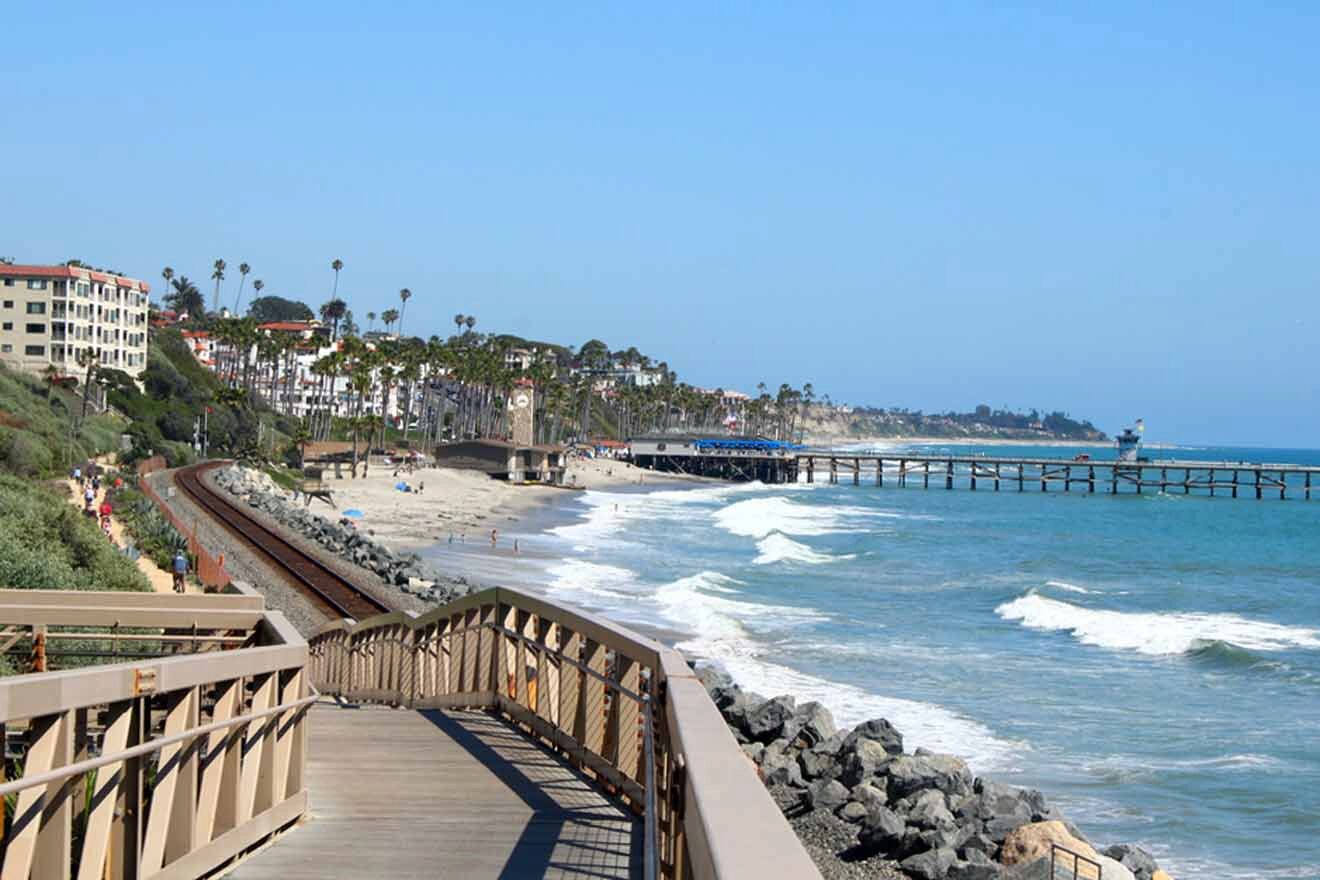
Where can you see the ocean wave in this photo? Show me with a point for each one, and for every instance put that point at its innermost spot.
(759, 517)
(604, 513)
(777, 547)
(719, 628)
(1069, 588)
(576, 578)
(1152, 633)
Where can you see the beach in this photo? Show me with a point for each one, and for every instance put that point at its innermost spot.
(467, 505)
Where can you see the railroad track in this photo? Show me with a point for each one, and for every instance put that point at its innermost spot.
(318, 581)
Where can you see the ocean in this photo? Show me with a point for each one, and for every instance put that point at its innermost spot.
(1151, 663)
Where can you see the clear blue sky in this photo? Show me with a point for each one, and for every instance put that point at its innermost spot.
(1110, 211)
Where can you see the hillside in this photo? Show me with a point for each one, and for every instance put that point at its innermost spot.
(823, 424)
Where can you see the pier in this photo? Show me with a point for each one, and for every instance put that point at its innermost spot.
(774, 462)
(1109, 476)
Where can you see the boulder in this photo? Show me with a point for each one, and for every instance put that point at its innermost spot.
(909, 774)
(975, 866)
(928, 810)
(811, 725)
(852, 812)
(882, 829)
(869, 795)
(878, 730)
(1030, 844)
(931, 865)
(766, 722)
(1141, 863)
(827, 794)
(861, 760)
(779, 766)
(818, 764)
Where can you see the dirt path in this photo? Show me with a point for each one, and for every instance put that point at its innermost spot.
(161, 580)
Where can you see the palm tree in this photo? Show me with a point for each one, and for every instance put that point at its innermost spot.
(257, 287)
(389, 316)
(471, 322)
(404, 296)
(336, 265)
(186, 298)
(458, 324)
(333, 312)
(167, 273)
(218, 275)
(243, 270)
(371, 320)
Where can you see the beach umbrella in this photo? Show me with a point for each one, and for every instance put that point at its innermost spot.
(354, 512)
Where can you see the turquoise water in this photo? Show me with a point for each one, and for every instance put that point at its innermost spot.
(1152, 663)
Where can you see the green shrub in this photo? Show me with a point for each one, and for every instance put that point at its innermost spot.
(26, 454)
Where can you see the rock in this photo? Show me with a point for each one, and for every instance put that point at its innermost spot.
(869, 795)
(980, 843)
(766, 722)
(713, 679)
(931, 865)
(878, 730)
(860, 761)
(882, 829)
(779, 766)
(928, 810)
(852, 812)
(1141, 863)
(811, 725)
(818, 764)
(976, 867)
(755, 751)
(912, 773)
(1031, 841)
(827, 794)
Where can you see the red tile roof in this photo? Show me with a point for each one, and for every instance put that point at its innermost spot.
(25, 271)
(285, 325)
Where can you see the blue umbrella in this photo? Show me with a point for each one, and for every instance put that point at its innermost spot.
(354, 512)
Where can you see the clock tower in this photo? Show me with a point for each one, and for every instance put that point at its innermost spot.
(520, 415)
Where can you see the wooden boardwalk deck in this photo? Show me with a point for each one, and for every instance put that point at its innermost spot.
(397, 793)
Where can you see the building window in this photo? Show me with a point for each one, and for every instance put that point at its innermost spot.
(36, 284)
(36, 328)
(8, 325)
(35, 350)
(6, 349)
(9, 282)
(36, 308)
(9, 303)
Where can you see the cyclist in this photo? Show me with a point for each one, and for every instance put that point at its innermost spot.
(180, 569)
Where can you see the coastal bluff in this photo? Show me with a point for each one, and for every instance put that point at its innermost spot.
(865, 808)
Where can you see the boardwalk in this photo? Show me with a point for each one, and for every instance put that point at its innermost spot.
(400, 794)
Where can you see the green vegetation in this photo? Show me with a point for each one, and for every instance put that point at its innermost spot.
(155, 536)
(46, 543)
(177, 392)
(37, 419)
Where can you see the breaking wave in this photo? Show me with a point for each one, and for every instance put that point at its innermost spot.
(778, 547)
(1155, 634)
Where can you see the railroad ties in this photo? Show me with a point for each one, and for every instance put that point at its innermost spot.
(1231, 479)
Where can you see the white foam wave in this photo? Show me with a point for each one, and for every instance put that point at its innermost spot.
(576, 578)
(1069, 588)
(758, 517)
(720, 633)
(604, 514)
(778, 547)
(1150, 633)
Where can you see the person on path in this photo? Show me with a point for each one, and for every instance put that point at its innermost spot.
(494, 537)
(89, 499)
(180, 570)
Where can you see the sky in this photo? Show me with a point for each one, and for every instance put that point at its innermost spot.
(1105, 209)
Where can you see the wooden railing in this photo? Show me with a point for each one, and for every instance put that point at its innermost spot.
(622, 707)
(168, 766)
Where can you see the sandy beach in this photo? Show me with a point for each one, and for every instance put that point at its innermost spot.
(466, 503)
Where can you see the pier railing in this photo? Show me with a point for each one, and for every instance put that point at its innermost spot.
(623, 708)
(168, 764)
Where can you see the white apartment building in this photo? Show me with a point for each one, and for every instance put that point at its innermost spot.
(58, 315)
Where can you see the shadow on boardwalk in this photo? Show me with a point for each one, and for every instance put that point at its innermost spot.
(398, 793)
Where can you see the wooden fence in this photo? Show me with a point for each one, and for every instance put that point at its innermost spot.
(162, 767)
(210, 568)
(624, 708)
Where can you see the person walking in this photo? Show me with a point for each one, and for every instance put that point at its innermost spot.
(180, 570)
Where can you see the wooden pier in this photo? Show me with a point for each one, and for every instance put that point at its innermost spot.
(1108, 476)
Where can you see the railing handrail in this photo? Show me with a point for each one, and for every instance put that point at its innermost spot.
(704, 806)
(228, 727)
